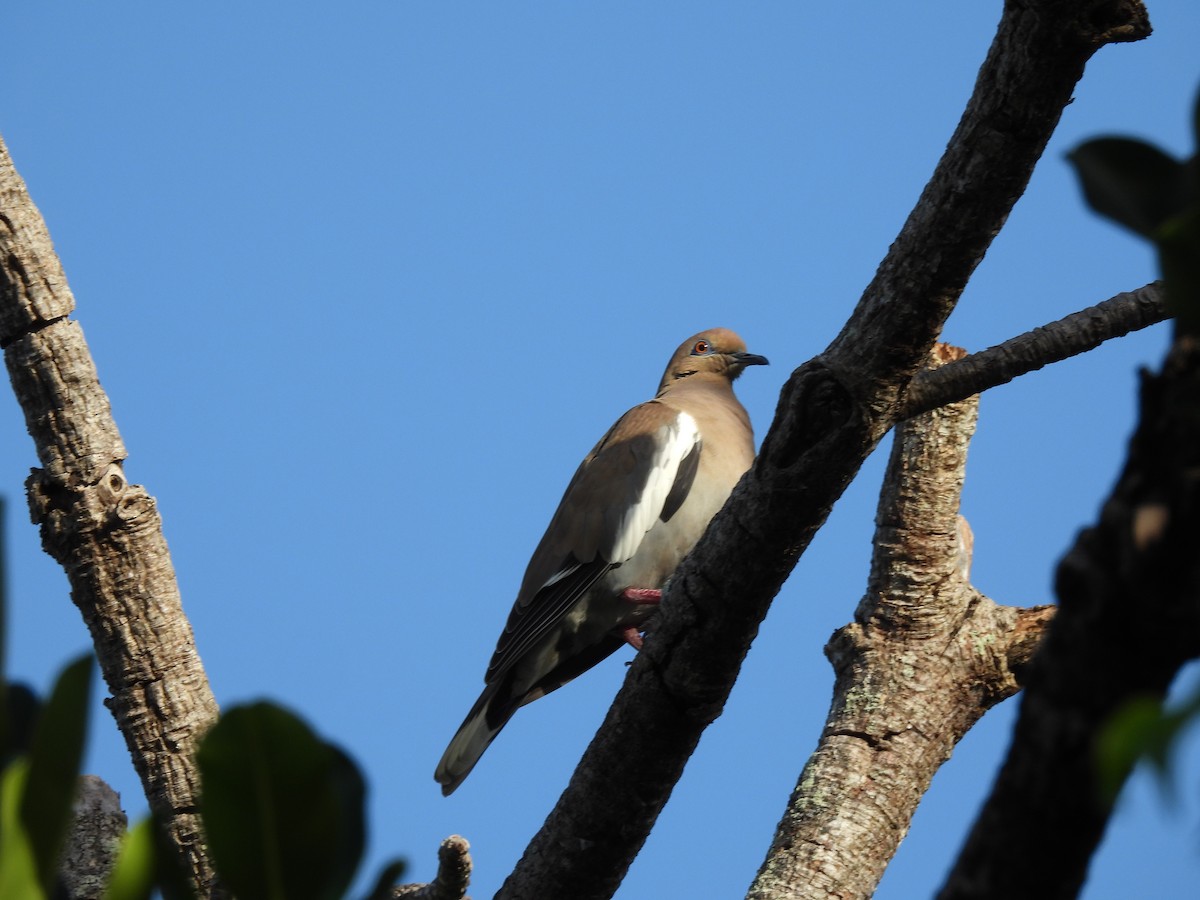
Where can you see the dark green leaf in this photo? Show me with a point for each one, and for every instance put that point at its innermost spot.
(1179, 259)
(3, 597)
(388, 876)
(1131, 182)
(1140, 730)
(18, 868)
(54, 760)
(132, 876)
(169, 874)
(6, 739)
(22, 708)
(1122, 743)
(147, 862)
(283, 809)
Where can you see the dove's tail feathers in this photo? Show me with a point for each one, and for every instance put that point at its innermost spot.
(490, 713)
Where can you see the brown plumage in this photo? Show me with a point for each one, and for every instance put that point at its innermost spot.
(637, 504)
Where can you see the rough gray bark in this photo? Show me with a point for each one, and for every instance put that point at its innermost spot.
(925, 657)
(1129, 618)
(105, 532)
(831, 414)
(97, 826)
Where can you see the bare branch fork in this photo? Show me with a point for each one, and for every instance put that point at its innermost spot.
(831, 414)
(926, 656)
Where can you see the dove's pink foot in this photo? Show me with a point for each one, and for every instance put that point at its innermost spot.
(631, 636)
(642, 595)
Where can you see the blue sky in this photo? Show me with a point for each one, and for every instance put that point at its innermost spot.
(365, 283)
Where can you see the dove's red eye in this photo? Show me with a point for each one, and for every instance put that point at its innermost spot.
(701, 347)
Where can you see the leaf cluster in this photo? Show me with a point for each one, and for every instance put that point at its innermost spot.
(283, 809)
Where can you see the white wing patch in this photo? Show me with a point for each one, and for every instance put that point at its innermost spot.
(674, 443)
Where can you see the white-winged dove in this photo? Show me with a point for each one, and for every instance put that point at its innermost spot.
(637, 504)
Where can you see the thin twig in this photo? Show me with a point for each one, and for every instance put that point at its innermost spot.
(1069, 336)
(453, 874)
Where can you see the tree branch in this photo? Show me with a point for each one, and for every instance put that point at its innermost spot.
(453, 874)
(926, 656)
(831, 414)
(97, 826)
(1028, 352)
(105, 532)
(1129, 618)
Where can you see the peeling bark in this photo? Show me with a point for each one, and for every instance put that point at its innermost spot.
(926, 656)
